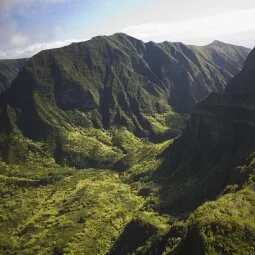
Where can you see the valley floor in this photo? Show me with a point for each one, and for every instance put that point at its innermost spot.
(46, 208)
(50, 209)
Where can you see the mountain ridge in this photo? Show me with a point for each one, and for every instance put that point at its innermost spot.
(80, 172)
(207, 179)
(114, 81)
(218, 136)
(9, 69)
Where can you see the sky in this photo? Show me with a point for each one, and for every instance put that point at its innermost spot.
(29, 26)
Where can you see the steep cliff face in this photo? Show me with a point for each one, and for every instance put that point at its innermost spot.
(207, 179)
(196, 71)
(219, 135)
(119, 80)
(112, 81)
(9, 69)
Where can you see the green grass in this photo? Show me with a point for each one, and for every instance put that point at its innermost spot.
(47, 208)
(84, 211)
(85, 182)
(160, 222)
(166, 122)
(51, 209)
(89, 145)
(223, 226)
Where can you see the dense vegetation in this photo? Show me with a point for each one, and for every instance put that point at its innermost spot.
(51, 209)
(118, 80)
(92, 160)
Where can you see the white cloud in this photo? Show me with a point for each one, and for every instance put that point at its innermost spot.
(33, 49)
(19, 40)
(159, 20)
(201, 28)
(20, 43)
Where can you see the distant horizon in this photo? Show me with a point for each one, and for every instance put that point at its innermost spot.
(61, 46)
(30, 26)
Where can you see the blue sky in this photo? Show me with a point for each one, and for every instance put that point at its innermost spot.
(28, 26)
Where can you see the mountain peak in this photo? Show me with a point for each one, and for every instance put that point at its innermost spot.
(124, 36)
(216, 42)
(224, 44)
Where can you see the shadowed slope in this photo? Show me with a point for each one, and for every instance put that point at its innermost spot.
(9, 69)
(219, 135)
(207, 180)
(113, 81)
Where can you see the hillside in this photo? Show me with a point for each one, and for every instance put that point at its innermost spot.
(219, 135)
(113, 81)
(87, 164)
(206, 181)
(9, 69)
(212, 164)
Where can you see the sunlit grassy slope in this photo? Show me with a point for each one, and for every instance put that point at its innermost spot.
(48, 207)
(83, 134)
(223, 226)
(51, 209)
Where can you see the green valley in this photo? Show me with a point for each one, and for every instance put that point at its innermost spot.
(116, 146)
